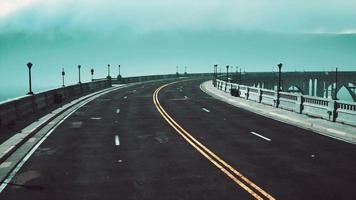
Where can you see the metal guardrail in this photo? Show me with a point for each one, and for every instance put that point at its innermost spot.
(333, 110)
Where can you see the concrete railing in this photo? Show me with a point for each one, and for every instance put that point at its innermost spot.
(336, 111)
(23, 106)
(135, 79)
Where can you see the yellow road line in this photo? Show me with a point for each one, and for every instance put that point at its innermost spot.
(218, 162)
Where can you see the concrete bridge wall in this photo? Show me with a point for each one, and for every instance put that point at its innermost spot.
(320, 84)
(21, 107)
(333, 110)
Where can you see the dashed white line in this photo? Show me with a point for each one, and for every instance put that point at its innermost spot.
(117, 140)
(117, 111)
(261, 136)
(96, 118)
(185, 97)
(206, 110)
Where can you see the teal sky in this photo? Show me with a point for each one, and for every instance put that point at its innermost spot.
(154, 36)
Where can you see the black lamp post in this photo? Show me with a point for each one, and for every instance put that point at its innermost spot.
(227, 73)
(108, 71)
(335, 90)
(29, 65)
(92, 74)
(177, 73)
(240, 79)
(63, 74)
(79, 73)
(279, 76)
(215, 75)
(119, 76)
(236, 74)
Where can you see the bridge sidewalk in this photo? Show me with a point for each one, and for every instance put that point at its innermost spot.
(335, 130)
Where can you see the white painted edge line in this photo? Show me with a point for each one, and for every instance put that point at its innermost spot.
(29, 154)
(117, 111)
(13, 173)
(117, 140)
(206, 110)
(261, 136)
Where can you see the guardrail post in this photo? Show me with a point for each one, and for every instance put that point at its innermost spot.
(238, 90)
(259, 95)
(332, 106)
(276, 100)
(247, 92)
(299, 104)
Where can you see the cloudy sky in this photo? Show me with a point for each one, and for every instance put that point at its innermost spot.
(154, 36)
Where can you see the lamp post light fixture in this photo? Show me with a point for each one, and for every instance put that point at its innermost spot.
(29, 65)
(79, 74)
(279, 76)
(63, 74)
(92, 74)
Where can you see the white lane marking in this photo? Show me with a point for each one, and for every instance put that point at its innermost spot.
(77, 124)
(117, 140)
(125, 97)
(206, 110)
(261, 136)
(117, 111)
(96, 118)
(5, 165)
(185, 97)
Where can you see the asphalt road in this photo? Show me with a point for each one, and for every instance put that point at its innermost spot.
(120, 147)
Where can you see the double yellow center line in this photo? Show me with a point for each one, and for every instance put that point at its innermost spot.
(232, 173)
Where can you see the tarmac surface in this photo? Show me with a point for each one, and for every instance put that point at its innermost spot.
(120, 146)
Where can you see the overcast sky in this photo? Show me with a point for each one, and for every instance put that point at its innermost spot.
(295, 16)
(154, 36)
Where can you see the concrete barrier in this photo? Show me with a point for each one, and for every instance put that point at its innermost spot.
(339, 111)
(18, 108)
(346, 112)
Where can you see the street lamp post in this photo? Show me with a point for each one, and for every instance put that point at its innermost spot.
(108, 71)
(240, 79)
(335, 90)
(279, 76)
(227, 76)
(79, 73)
(63, 74)
(215, 73)
(236, 74)
(29, 65)
(92, 74)
(177, 73)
